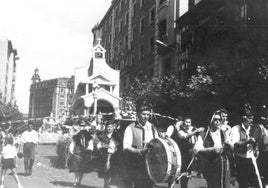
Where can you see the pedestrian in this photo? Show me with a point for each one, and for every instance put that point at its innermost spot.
(2, 138)
(9, 153)
(80, 149)
(135, 143)
(212, 155)
(30, 140)
(244, 149)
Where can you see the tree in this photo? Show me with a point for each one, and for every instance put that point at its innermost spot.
(160, 93)
(9, 112)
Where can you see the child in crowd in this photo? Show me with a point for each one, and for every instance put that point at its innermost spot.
(9, 154)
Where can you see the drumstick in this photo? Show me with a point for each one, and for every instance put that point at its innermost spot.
(257, 171)
(189, 165)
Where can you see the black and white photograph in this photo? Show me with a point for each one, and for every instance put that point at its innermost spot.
(134, 94)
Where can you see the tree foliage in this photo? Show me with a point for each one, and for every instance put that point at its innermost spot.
(9, 112)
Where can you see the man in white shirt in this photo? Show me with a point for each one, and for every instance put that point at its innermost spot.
(135, 143)
(187, 137)
(244, 152)
(29, 139)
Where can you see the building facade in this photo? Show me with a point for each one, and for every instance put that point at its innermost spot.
(50, 98)
(129, 31)
(8, 60)
(230, 36)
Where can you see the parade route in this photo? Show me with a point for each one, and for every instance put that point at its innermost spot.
(46, 175)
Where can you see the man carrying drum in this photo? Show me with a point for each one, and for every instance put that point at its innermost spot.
(136, 138)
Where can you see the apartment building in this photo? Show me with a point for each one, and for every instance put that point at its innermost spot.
(129, 32)
(8, 61)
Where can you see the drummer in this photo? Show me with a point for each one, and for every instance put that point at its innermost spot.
(136, 138)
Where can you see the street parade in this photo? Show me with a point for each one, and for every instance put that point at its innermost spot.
(133, 94)
(137, 153)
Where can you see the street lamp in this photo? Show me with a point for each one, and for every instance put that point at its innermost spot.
(163, 44)
(95, 87)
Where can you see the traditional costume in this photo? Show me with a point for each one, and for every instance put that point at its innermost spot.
(244, 156)
(80, 159)
(137, 136)
(262, 160)
(213, 157)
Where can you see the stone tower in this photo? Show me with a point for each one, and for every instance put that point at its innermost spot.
(36, 78)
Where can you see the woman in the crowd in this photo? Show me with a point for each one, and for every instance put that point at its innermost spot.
(212, 155)
(102, 143)
(80, 160)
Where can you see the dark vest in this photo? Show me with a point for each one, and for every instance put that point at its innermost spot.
(243, 136)
(139, 135)
(82, 138)
(208, 142)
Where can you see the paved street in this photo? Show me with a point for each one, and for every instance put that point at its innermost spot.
(45, 175)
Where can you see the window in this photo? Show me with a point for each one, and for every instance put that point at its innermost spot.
(134, 9)
(142, 24)
(131, 60)
(110, 20)
(125, 41)
(151, 44)
(120, 5)
(120, 46)
(116, 11)
(110, 38)
(141, 3)
(133, 33)
(122, 64)
(120, 25)
(162, 27)
(115, 31)
(152, 15)
(126, 18)
(141, 52)
(126, 62)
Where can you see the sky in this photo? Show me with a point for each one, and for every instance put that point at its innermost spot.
(51, 35)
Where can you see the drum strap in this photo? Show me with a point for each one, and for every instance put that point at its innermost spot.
(143, 137)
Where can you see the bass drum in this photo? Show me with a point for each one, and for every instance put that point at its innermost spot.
(163, 159)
